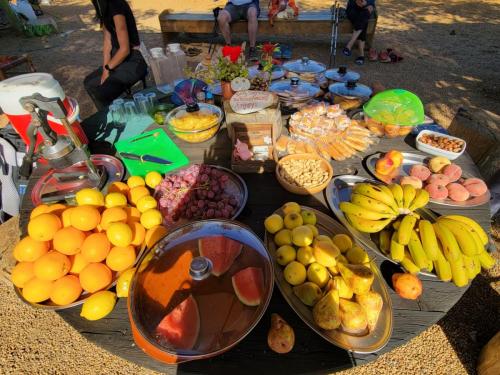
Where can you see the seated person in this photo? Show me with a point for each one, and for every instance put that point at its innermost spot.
(358, 12)
(123, 64)
(236, 10)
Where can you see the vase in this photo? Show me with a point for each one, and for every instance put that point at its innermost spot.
(227, 91)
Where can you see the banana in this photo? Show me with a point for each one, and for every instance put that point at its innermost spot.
(384, 239)
(421, 200)
(396, 224)
(408, 264)
(486, 260)
(397, 250)
(376, 192)
(443, 268)
(428, 239)
(416, 251)
(473, 224)
(388, 191)
(459, 272)
(462, 234)
(477, 264)
(397, 193)
(430, 265)
(470, 267)
(367, 226)
(405, 229)
(409, 193)
(479, 244)
(451, 250)
(371, 204)
(353, 209)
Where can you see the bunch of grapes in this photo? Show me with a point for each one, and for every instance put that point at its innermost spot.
(197, 192)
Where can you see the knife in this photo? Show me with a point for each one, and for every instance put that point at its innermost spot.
(143, 158)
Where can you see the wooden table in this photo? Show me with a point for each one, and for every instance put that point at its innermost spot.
(10, 62)
(311, 353)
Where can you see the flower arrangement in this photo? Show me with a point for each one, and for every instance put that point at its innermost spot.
(266, 55)
(231, 64)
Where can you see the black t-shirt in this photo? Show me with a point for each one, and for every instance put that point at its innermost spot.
(114, 8)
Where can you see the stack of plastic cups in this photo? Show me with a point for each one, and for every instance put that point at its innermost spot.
(152, 101)
(130, 111)
(117, 114)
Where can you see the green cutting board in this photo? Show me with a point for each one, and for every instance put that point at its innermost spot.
(155, 143)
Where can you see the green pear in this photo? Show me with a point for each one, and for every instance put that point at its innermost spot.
(372, 303)
(353, 317)
(309, 293)
(326, 312)
(358, 277)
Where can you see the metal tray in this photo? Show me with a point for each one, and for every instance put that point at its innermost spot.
(410, 159)
(370, 343)
(339, 190)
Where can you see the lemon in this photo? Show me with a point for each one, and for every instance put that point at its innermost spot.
(153, 179)
(151, 218)
(123, 283)
(90, 197)
(98, 305)
(119, 234)
(145, 203)
(115, 200)
(135, 181)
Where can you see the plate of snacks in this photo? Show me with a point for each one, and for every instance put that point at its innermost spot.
(304, 174)
(439, 144)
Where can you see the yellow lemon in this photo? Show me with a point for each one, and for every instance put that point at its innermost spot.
(89, 197)
(123, 283)
(119, 234)
(153, 235)
(135, 181)
(98, 305)
(151, 218)
(115, 200)
(153, 179)
(145, 203)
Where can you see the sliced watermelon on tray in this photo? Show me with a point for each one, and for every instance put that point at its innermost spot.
(248, 285)
(221, 251)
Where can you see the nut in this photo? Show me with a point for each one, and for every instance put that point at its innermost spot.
(442, 142)
(303, 172)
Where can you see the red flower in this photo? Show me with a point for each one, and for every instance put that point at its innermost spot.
(232, 52)
(269, 48)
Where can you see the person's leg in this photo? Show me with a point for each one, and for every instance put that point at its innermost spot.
(224, 19)
(253, 25)
(354, 37)
(92, 83)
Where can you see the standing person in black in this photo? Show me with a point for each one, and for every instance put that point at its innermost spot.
(123, 64)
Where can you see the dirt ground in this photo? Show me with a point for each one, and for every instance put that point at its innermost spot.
(451, 52)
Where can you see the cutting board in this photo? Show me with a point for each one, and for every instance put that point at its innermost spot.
(155, 143)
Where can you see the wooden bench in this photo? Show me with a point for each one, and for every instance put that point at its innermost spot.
(306, 25)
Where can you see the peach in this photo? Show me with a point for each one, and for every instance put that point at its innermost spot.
(437, 191)
(453, 172)
(475, 186)
(420, 171)
(410, 180)
(439, 179)
(385, 166)
(457, 192)
(437, 163)
(395, 156)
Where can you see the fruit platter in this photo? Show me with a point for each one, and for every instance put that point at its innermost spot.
(328, 279)
(444, 180)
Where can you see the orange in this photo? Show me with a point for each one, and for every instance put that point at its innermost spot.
(135, 181)
(29, 250)
(96, 247)
(138, 233)
(66, 290)
(121, 258)
(119, 234)
(22, 273)
(118, 187)
(151, 218)
(40, 209)
(90, 197)
(44, 226)
(94, 277)
(85, 218)
(153, 235)
(115, 200)
(36, 290)
(113, 215)
(68, 240)
(56, 208)
(145, 203)
(52, 266)
(66, 217)
(137, 193)
(78, 263)
(133, 214)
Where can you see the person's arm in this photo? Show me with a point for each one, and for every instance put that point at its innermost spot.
(106, 53)
(123, 42)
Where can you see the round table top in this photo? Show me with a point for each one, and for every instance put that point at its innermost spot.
(311, 353)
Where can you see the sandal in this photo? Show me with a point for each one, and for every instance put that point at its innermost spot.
(372, 55)
(394, 56)
(383, 57)
(360, 60)
(346, 51)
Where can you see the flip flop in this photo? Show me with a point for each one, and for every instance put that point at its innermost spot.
(372, 55)
(383, 57)
(360, 60)
(346, 51)
(394, 56)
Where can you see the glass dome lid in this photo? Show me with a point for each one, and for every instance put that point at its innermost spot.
(350, 89)
(342, 74)
(304, 65)
(294, 85)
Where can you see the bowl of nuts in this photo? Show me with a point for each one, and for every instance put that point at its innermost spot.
(439, 144)
(304, 174)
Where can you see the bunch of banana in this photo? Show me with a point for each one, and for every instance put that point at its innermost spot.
(454, 247)
(374, 207)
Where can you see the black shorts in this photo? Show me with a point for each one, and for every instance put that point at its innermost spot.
(359, 18)
(240, 12)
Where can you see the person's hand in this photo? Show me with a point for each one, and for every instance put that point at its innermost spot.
(370, 8)
(104, 75)
(282, 5)
(361, 3)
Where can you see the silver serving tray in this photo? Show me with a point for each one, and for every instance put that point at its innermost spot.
(411, 159)
(339, 190)
(369, 343)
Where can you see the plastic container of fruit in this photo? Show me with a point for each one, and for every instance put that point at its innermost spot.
(195, 124)
(436, 150)
(388, 130)
(199, 291)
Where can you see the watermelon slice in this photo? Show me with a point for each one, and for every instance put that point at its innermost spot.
(181, 327)
(248, 285)
(221, 251)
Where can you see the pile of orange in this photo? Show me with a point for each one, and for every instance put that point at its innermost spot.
(70, 250)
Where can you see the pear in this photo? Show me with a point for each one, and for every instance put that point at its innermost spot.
(344, 290)
(326, 312)
(358, 277)
(353, 317)
(309, 293)
(372, 303)
(280, 337)
(325, 253)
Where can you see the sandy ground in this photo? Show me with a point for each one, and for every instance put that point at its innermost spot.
(451, 52)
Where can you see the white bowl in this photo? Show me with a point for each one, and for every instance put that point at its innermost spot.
(435, 150)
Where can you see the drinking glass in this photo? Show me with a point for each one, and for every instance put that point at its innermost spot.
(152, 101)
(117, 114)
(137, 97)
(130, 110)
(142, 106)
